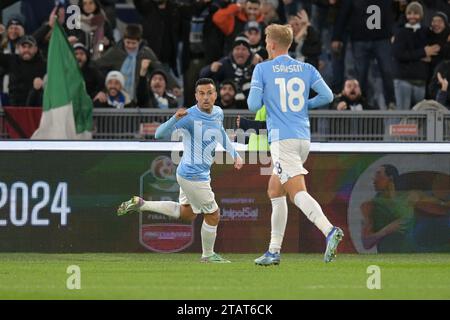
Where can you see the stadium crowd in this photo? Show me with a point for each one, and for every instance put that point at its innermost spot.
(155, 63)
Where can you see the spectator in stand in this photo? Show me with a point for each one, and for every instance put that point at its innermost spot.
(367, 43)
(430, 7)
(411, 59)
(114, 95)
(11, 34)
(13, 31)
(153, 93)
(23, 70)
(269, 11)
(35, 13)
(92, 76)
(161, 23)
(199, 38)
(227, 94)
(439, 34)
(44, 32)
(442, 94)
(127, 57)
(307, 45)
(350, 98)
(238, 66)
(231, 20)
(109, 7)
(253, 32)
(95, 25)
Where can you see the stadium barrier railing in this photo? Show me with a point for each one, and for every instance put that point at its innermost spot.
(446, 126)
(326, 125)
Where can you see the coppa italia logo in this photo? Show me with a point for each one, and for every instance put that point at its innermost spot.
(157, 232)
(166, 237)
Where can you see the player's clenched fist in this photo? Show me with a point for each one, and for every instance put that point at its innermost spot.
(215, 66)
(145, 64)
(180, 113)
(238, 163)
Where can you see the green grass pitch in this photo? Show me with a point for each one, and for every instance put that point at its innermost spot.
(182, 276)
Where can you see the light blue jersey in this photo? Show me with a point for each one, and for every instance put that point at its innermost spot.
(201, 133)
(283, 86)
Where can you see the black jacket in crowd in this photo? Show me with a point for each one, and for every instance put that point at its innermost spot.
(350, 103)
(94, 79)
(441, 40)
(146, 98)
(161, 29)
(408, 52)
(353, 16)
(434, 86)
(21, 75)
(311, 47)
(241, 75)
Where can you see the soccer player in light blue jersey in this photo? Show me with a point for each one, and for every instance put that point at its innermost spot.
(202, 128)
(282, 84)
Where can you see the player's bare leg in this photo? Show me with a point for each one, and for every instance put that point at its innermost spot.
(277, 196)
(209, 233)
(168, 208)
(296, 188)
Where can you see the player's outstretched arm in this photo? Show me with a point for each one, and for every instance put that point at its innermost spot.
(324, 95)
(228, 146)
(255, 99)
(167, 127)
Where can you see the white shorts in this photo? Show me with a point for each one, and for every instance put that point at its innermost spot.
(288, 157)
(198, 194)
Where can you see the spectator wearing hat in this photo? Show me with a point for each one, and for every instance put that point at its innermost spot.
(127, 56)
(231, 20)
(93, 78)
(25, 70)
(114, 95)
(411, 59)
(307, 45)
(238, 66)
(438, 34)
(153, 93)
(253, 32)
(13, 31)
(227, 96)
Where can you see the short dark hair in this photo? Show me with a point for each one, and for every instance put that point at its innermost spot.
(133, 31)
(203, 81)
(229, 82)
(392, 173)
(98, 7)
(254, 1)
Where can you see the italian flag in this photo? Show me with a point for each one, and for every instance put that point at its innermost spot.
(67, 108)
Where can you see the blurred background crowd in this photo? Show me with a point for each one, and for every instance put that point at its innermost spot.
(149, 53)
